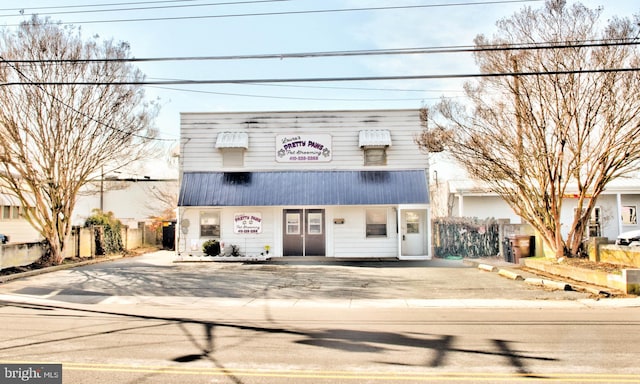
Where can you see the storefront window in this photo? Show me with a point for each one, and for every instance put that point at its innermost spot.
(376, 222)
(209, 224)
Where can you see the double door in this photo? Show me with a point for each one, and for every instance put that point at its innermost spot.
(303, 232)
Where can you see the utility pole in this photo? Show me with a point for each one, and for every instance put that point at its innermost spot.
(102, 189)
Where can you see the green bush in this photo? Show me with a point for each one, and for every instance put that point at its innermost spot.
(211, 247)
(108, 232)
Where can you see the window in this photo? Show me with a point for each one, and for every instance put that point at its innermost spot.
(10, 212)
(413, 222)
(293, 223)
(209, 224)
(232, 145)
(314, 223)
(374, 143)
(594, 229)
(375, 156)
(376, 222)
(594, 223)
(629, 215)
(233, 157)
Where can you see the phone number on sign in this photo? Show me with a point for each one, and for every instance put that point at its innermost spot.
(303, 158)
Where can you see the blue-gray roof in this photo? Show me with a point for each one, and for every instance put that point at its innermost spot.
(303, 188)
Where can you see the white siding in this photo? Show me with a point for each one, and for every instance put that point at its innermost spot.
(350, 238)
(249, 244)
(19, 231)
(484, 207)
(493, 206)
(199, 132)
(130, 201)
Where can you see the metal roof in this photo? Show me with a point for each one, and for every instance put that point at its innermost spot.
(303, 188)
(374, 138)
(232, 140)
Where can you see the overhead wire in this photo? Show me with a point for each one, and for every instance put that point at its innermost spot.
(298, 12)
(290, 97)
(66, 105)
(100, 4)
(365, 52)
(21, 11)
(323, 79)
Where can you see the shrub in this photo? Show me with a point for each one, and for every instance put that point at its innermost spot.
(108, 232)
(211, 247)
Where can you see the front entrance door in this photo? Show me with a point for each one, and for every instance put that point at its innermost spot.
(303, 232)
(413, 233)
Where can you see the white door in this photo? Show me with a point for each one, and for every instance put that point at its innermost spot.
(413, 233)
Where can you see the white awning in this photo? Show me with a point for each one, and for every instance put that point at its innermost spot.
(375, 138)
(232, 140)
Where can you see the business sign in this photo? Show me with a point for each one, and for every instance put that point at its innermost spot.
(303, 148)
(247, 223)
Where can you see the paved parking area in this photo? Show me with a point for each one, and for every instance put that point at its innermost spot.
(156, 275)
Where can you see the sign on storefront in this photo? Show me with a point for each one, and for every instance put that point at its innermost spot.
(247, 223)
(303, 148)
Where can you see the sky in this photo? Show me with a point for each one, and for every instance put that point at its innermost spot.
(222, 28)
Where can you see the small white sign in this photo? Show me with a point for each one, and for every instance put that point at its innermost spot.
(303, 148)
(247, 223)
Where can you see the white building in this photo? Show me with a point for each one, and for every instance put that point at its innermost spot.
(326, 183)
(615, 212)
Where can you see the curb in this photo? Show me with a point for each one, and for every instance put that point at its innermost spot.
(550, 284)
(557, 285)
(40, 271)
(487, 267)
(510, 275)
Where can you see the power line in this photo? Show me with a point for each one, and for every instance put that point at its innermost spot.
(65, 104)
(347, 53)
(325, 79)
(146, 8)
(290, 97)
(285, 13)
(99, 5)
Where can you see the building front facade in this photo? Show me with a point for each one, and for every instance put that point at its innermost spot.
(327, 183)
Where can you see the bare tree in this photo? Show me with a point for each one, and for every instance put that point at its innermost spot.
(56, 137)
(163, 199)
(556, 113)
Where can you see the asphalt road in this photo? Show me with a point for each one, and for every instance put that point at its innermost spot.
(149, 320)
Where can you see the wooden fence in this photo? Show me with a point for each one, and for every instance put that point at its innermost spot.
(465, 237)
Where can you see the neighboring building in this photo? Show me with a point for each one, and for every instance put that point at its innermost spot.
(132, 200)
(615, 212)
(12, 223)
(325, 183)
